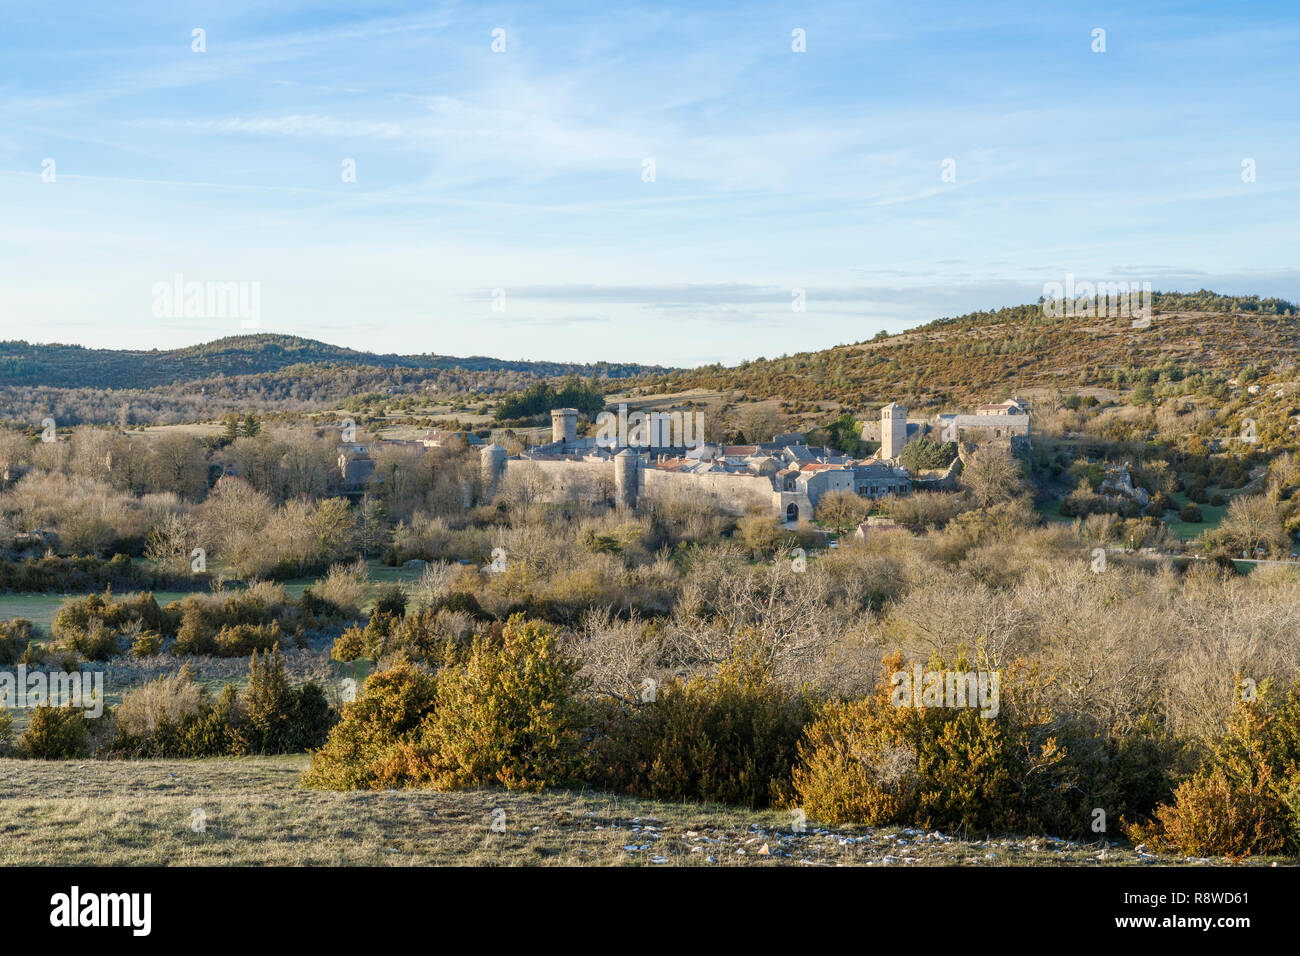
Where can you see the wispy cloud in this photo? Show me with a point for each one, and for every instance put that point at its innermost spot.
(299, 125)
(528, 170)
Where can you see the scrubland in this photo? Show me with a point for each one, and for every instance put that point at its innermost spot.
(559, 656)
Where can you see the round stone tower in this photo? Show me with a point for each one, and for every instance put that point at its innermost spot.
(492, 459)
(564, 425)
(626, 478)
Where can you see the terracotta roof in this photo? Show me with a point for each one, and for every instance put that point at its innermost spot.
(673, 464)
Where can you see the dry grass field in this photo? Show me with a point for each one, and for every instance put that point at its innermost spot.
(144, 813)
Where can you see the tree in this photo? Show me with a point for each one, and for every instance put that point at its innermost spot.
(522, 487)
(258, 462)
(841, 509)
(233, 520)
(374, 530)
(761, 533)
(403, 476)
(307, 466)
(171, 542)
(844, 434)
(178, 464)
(925, 453)
(1252, 521)
(334, 527)
(992, 475)
(231, 432)
(268, 703)
(759, 423)
(15, 448)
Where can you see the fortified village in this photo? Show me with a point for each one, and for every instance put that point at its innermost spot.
(661, 454)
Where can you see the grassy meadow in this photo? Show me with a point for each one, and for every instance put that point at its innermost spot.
(254, 812)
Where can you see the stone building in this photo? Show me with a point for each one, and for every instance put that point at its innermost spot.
(893, 431)
(492, 461)
(1004, 420)
(785, 477)
(355, 470)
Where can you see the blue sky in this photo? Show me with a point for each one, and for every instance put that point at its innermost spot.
(522, 171)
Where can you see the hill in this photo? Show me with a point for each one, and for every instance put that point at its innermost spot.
(73, 366)
(1200, 338)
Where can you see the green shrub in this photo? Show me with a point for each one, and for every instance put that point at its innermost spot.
(78, 616)
(345, 587)
(15, 635)
(875, 761)
(147, 644)
(1191, 512)
(1212, 814)
(278, 718)
(92, 625)
(34, 655)
(463, 602)
(140, 607)
(197, 632)
(55, 733)
(234, 625)
(508, 715)
(175, 717)
(504, 712)
(1028, 767)
(98, 642)
(1245, 798)
(352, 644)
(310, 719)
(241, 640)
(390, 599)
(269, 703)
(729, 738)
(318, 607)
(216, 731)
(371, 747)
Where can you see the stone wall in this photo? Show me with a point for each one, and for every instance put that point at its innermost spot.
(733, 494)
(948, 481)
(565, 480)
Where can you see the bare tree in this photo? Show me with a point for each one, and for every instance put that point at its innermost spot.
(841, 509)
(991, 475)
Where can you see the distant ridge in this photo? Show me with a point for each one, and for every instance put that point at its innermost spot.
(989, 355)
(74, 366)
